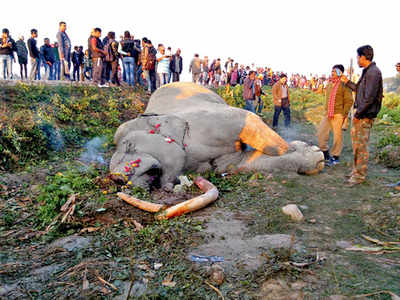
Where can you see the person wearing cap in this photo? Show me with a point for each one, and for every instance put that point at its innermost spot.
(280, 94)
(7, 48)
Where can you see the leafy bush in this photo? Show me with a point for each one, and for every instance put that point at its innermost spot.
(59, 188)
(35, 120)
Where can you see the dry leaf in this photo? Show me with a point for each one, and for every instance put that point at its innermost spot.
(168, 281)
(137, 225)
(89, 229)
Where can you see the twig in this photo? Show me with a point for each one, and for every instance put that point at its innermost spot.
(106, 282)
(132, 265)
(26, 291)
(215, 289)
(373, 294)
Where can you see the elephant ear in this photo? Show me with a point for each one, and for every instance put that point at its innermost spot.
(166, 125)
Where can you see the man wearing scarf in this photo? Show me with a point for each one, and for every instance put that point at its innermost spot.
(339, 100)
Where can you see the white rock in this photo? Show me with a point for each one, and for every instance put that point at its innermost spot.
(293, 211)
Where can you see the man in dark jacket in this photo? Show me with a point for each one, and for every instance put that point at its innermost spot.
(76, 63)
(35, 56)
(176, 65)
(7, 47)
(369, 94)
(64, 48)
(22, 53)
(47, 56)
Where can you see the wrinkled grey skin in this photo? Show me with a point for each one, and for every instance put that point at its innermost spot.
(206, 131)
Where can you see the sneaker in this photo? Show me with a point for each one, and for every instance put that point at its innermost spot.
(332, 162)
(102, 85)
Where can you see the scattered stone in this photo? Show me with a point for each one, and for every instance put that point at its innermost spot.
(157, 266)
(343, 244)
(7, 288)
(169, 187)
(185, 181)
(337, 297)
(138, 289)
(35, 189)
(179, 188)
(293, 211)
(71, 243)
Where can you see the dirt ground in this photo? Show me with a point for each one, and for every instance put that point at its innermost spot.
(265, 255)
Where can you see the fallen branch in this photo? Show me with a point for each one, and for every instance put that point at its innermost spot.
(394, 296)
(106, 282)
(215, 289)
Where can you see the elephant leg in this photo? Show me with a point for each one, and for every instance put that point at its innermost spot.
(258, 135)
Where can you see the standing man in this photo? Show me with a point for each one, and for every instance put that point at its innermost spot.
(64, 48)
(22, 53)
(195, 68)
(176, 65)
(7, 48)
(369, 94)
(75, 64)
(81, 59)
(163, 65)
(280, 94)
(57, 63)
(97, 53)
(249, 91)
(338, 101)
(35, 56)
(47, 54)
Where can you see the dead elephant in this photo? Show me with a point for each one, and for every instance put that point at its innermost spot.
(187, 127)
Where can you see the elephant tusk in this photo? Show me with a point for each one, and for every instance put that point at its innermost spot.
(210, 195)
(143, 205)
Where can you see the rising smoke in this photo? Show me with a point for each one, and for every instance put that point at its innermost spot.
(93, 153)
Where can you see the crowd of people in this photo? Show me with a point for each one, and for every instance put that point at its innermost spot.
(128, 61)
(105, 62)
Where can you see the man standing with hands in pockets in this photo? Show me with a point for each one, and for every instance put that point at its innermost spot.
(369, 94)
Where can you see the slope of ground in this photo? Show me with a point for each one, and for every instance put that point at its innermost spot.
(99, 251)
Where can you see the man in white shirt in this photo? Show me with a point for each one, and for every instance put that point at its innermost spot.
(163, 65)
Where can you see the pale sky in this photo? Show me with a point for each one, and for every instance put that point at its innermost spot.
(306, 36)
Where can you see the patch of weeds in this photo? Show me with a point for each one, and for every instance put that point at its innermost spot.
(349, 226)
(8, 217)
(390, 139)
(57, 190)
(361, 275)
